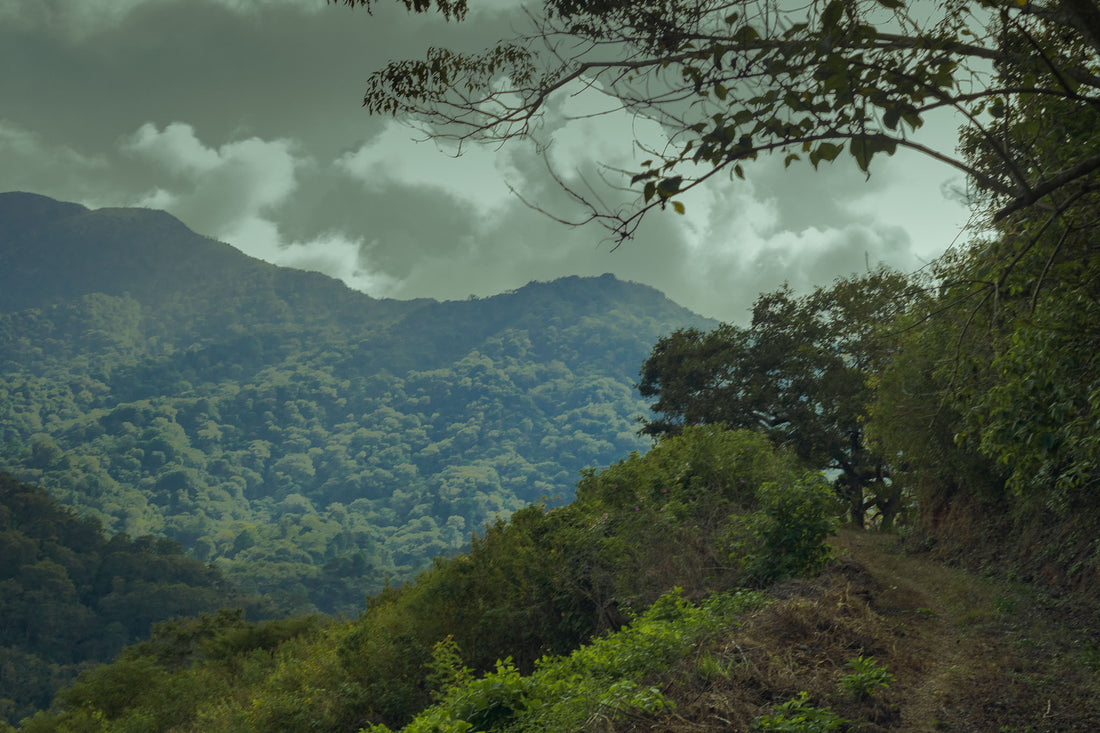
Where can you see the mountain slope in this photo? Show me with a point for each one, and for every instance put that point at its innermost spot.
(71, 597)
(311, 440)
(54, 253)
(879, 640)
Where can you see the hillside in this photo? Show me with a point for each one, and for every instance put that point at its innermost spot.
(310, 440)
(883, 639)
(628, 611)
(72, 597)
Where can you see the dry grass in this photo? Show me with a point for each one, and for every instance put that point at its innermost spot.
(967, 653)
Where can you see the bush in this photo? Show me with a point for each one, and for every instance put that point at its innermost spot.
(786, 535)
(608, 679)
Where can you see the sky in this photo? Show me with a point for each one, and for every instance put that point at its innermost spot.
(243, 119)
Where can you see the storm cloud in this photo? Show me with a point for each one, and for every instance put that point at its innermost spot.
(243, 119)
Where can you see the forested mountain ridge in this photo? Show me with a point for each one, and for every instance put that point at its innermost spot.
(52, 253)
(310, 439)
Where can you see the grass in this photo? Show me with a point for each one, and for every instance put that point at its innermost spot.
(964, 652)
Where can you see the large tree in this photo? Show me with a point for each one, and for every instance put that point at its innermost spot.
(800, 373)
(730, 80)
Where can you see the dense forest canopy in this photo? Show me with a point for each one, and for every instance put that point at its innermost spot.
(72, 597)
(310, 440)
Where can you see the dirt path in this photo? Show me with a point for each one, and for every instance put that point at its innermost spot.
(972, 654)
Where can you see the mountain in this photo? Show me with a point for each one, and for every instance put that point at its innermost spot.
(310, 440)
(54, 253)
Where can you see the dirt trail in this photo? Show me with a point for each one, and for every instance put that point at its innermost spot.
(973, 654)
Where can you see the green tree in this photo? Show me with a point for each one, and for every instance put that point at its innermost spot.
(729, 81)
(993, 406)
(800, 374)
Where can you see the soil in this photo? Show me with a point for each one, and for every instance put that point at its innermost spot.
(977, 653)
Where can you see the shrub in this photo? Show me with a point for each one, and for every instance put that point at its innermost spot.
(798, 716)
(607, 679)
(866, 678)
(786, 535)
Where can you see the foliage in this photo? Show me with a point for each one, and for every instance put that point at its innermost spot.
(728, 82)
(72, 597)
(993, 406)
(866, 678)
(165, 682)
(552, 617)
(549, 579)
(786, 535)
(603, 680)
(799, 716)
(800, 374)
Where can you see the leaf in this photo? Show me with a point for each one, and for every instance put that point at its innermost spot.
(679, 207)
(912, 119)
(892, 4)
(669, 187)
(746, 34)
(864, 148)
(825, 151)
(860, 150)
(830, 17)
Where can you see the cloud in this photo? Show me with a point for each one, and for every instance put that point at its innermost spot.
(83, 18)
(339, 256)
(446, 227)
(28, 162)
(235, 192)
(230, 191)
(271, 152)
(175, 147)
(395, 157)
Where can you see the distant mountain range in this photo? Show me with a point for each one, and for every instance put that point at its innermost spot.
(311, 440)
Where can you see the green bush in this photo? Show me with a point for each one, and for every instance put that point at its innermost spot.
(608, 679)
(786, 535)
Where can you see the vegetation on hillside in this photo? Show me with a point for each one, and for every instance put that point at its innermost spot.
(878, 640)
(72, 597)
(707, 512)
(311, 441)
(800, 373)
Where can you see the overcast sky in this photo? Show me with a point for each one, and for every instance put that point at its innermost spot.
(243, 119)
